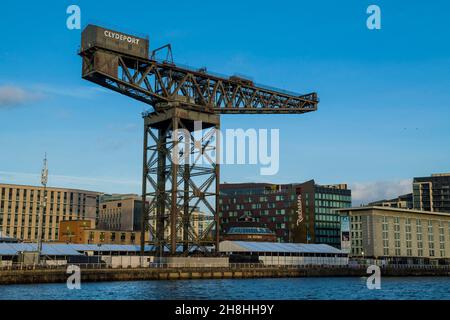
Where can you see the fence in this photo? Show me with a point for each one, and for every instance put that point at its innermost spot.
(231, 266)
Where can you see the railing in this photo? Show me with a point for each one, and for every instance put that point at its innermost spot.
(206, 266)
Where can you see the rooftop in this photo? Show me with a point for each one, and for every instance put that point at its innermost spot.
(394, 210)
(48, 187)
(441, 174)
(62, 249)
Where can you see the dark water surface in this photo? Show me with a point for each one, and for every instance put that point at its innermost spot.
(290, 288)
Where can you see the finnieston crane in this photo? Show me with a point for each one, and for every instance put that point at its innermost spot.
(173, 186)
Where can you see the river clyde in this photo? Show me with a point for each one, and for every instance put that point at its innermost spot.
(392, 288)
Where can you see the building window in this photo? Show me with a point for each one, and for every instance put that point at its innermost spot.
(397, 241)
(430, 238)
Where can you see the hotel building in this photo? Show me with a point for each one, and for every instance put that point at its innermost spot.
(302, 213)
(396, 235)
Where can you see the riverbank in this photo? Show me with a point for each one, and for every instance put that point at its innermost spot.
(140, 274)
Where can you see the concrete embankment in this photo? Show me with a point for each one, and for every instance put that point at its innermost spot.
(96, 275)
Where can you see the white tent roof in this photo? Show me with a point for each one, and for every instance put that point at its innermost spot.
(248, 246)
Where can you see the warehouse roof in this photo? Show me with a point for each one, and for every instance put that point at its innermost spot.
(248, 246)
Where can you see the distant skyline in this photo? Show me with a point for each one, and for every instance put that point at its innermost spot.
(384, 94)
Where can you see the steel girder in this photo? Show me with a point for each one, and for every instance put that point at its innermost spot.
(180, 179)
(153, 82)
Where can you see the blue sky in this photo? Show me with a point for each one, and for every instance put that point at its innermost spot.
(385, 99)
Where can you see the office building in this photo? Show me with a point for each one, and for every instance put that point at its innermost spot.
(432, 193)
(120, 212)
(300, 213)
(21, 205)
(396, 235)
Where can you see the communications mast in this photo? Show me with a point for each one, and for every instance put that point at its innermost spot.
(43, 204)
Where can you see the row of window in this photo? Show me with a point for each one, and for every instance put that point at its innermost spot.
(334, 197)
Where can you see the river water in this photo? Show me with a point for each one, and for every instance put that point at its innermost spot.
(434, 288)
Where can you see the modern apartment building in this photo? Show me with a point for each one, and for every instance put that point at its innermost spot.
(295, 212)
(396, 235)
(21, 205)
(432, 193)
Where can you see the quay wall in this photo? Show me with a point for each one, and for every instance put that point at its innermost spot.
(138, 274)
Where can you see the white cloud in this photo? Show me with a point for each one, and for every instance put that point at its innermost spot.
(85, 92)
(365, 192)
(11, 96)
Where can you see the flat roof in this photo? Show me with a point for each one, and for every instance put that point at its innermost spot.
(63, 249)
(48, 187)
(394, 210)
(8, 249)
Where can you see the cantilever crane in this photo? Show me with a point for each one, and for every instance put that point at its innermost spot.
(173, 184)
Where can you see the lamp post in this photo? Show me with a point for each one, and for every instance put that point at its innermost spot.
(44, 179)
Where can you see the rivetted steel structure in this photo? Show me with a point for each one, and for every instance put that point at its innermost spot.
(180, 97)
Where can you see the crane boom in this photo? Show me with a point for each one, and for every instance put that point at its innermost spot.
(153, 82)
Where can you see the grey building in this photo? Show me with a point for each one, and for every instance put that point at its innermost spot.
(120, 212)
(432, 193)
